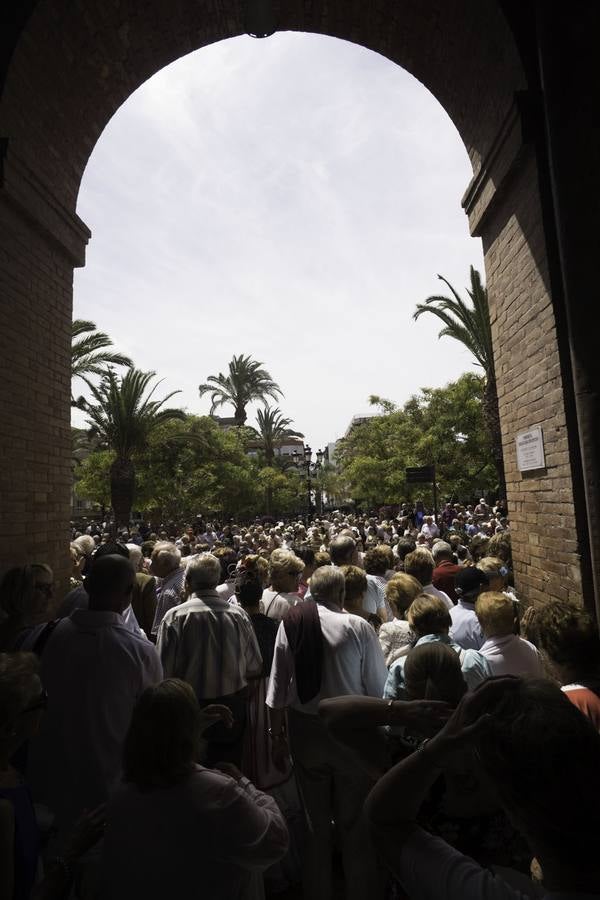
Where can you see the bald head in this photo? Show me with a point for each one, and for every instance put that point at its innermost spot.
(110, 583)
(342, 550)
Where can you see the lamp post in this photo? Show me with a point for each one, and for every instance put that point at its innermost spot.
(303, 462)
(259, 18)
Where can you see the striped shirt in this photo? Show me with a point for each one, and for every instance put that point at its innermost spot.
(211, 644)
(169, 593)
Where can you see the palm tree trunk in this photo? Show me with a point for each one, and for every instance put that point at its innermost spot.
(240, 415)
(122, 490)
(491, 415)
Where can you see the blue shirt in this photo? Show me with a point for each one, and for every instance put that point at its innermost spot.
(475, 667)
(465, 629)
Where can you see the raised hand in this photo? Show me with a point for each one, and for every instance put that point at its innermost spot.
(216, 712)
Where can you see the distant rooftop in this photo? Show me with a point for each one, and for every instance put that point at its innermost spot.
(358, 420)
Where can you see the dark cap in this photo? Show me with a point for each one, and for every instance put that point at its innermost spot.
(470, 580)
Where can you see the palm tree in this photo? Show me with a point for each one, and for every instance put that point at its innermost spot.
(272, 429)
(470, 325)
(90, 354)
(246, 382)
(122, 418)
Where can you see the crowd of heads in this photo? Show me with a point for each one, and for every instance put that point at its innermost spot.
(338, 558)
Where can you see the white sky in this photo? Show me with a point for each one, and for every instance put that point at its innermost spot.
(292, 198)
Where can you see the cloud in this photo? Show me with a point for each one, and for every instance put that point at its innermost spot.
(291, 198)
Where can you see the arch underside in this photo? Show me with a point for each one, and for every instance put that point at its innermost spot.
(77, 61)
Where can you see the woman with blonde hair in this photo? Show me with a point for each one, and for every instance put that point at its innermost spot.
(285, 569)
(396, 637)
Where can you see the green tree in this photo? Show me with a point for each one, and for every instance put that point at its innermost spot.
(273, 428)
(92, 477)
(283, 492)
(245, 382)
(122, 418)
(194, 466)
(90, 354)
(444, 426)
(469, 323)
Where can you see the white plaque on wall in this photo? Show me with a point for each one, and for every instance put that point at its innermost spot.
(530, 449)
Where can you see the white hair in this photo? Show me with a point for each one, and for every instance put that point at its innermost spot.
(203, 571)
(135, 555)
(169, 551)
(328, 583)
(440, 548)
(85, 544)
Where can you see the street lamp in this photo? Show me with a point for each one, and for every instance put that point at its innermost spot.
(303, 462)
(259, 18)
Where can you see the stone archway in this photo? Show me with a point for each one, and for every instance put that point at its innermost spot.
(74, 64)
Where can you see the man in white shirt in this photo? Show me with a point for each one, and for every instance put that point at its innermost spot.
(344, 552)
(347, 655)
(429, 528)
(211, 644)
(94, 669)
(466, 630)
(505, 651)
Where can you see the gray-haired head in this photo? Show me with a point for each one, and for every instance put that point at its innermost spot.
(441, 550)
(135, 555)
(328, 584)
(86, 544)
(203, 572)
(341, 549)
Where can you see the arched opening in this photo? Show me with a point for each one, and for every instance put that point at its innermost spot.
(301, 226)
(71, 70)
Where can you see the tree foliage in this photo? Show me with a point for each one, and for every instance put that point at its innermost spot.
(272, 429)
(245, 382)
(193, 466)
(122, 418)
(444, 426)
(91, 354)
(469, 324)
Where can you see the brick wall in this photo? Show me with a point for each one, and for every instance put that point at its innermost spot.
(78, 60)
(545, 539)
(35, 324)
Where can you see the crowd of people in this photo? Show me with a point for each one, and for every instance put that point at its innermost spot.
(353, 705)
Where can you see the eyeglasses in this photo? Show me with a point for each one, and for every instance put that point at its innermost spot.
(45, 588)
(40, 703)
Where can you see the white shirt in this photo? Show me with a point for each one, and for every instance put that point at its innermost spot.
(353, 662)
(374, 599)
(512, 655)
(435, 592)
(395, 639)
(226, 590)
(465, 628)
(275, 604)
(94, 670)
(208, 836)
(430, 531)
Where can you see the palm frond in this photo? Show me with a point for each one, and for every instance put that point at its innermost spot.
(468, 324)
